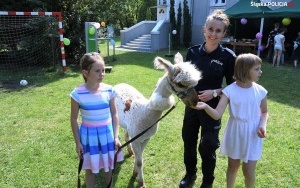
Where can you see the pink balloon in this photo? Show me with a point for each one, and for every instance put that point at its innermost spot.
(244, 21)
(258, 35)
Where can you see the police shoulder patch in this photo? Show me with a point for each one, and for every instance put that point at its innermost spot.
(195, 46)
(230, 51)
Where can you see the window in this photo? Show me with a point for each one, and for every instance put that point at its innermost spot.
(217, 2)
(162, 2)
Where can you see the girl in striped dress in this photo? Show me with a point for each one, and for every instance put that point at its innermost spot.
(96, 138)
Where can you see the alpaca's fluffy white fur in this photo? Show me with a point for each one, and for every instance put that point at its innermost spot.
(136, 113)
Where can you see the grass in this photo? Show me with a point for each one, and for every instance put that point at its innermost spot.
(37, 147)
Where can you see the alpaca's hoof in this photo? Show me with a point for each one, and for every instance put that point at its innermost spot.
(141, 185)
(130, 152)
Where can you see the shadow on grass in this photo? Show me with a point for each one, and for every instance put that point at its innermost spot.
(143, 59)
(282, 83)
(100, 182)
(10, 80)
(38, 76)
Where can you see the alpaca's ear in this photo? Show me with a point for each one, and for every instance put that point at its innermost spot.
(158, 63)
(161, 63)
(178, 58)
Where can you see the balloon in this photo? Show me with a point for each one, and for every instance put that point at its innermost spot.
(112, 42)
(244, 21)
(258, 35)
(66, 41)
(92, 30)
(286, 21)
(174, 32)
(97, 25)
(260, 48)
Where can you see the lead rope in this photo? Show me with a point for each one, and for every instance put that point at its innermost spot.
(119, 149)
(79, 170)
(134, 138)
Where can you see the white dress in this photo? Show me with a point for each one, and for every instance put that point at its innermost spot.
(240, 139)
(277, 40)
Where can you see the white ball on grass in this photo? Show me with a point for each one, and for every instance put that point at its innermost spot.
(23, 82)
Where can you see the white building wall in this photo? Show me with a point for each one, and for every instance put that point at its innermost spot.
(200, 9)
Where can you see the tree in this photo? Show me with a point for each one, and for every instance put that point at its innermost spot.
(75, 13)
(178, 25)
(172, 22)
(145, 12)
(187, 24)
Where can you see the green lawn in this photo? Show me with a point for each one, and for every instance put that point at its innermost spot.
(37, 147)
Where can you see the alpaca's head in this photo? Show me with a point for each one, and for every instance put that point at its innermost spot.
(182, 77)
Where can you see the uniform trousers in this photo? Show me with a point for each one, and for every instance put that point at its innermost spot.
(209, 141)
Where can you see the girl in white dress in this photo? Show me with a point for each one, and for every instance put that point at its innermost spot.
(279, 46)
(246, 125)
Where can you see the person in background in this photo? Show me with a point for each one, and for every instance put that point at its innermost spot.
(215, 62)
(97, 137)
(296, 52)
(247, 122)
(279, 40)
(282, 57)
(270, 43)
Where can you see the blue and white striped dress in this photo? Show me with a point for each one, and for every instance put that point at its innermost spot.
(96, 129)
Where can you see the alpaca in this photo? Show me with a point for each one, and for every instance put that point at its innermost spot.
(136, 113)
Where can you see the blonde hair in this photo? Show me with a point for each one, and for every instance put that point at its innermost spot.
(87, 61)
(243, 64)
(219, 15)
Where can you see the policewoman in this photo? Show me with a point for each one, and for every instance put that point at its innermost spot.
(216, 63)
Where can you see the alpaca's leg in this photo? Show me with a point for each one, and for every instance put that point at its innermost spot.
(129, 147)
(138, 165)
(144, 144)
(137, 153)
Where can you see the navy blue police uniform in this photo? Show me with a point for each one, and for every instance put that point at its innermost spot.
(215, 66)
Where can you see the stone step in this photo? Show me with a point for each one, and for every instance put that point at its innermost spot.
(144, 37)
(142, 43)
(136, 48)
(142, 40)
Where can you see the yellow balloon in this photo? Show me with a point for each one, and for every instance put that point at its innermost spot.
(92, 30)
(286, 21)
